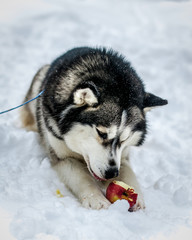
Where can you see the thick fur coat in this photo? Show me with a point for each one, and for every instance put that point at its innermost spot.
(92, 110)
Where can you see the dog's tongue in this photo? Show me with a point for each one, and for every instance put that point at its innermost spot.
(98, 178)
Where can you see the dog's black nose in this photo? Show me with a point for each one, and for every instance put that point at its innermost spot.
(111, 173)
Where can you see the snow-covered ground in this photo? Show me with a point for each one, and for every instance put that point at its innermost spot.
(156, 36)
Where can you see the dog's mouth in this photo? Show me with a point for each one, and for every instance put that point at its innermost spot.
(92, 172)
(96, 177)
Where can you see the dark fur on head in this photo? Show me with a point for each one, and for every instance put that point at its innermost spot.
(110, 77)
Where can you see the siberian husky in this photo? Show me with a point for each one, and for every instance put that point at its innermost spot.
(92, 110)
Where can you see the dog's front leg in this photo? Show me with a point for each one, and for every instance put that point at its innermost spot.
(128, 176)
(77, 178)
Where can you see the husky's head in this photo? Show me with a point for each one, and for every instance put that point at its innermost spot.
(102, 131)
(105, 113)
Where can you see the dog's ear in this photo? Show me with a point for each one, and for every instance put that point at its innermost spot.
(86, 94)
(152, 101)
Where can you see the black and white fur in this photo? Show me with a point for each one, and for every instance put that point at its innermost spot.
(93, 109)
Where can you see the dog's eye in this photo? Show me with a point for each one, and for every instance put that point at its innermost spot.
(102, 134)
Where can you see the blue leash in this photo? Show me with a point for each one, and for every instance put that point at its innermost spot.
(11, 109)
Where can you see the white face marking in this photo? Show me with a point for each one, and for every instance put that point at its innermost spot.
(129, 138)
(60, 147)
(83, 140)
(125, 134)
(135, 138)
(112, 132)
(123, 121)
(86, 141)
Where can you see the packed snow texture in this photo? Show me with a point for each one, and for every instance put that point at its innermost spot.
(156, 36)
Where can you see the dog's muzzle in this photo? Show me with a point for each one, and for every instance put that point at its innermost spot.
(111, 173)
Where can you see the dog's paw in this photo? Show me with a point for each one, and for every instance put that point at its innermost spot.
(139, 205)
(95, 202)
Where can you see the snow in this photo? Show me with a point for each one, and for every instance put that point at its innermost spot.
(156, 37)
